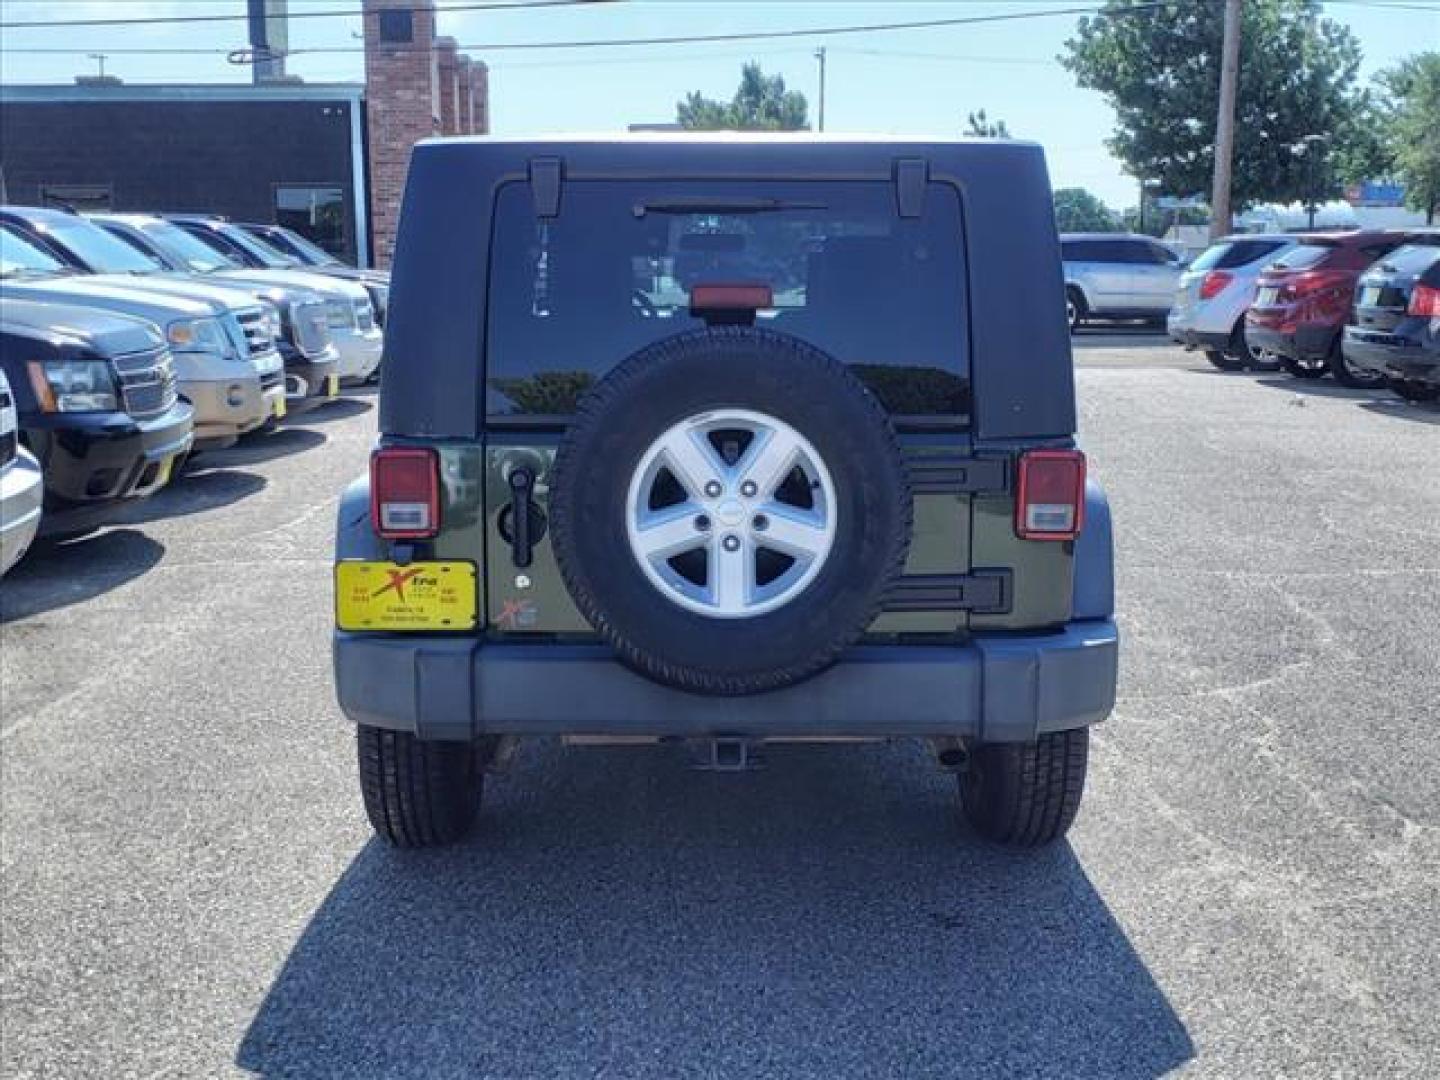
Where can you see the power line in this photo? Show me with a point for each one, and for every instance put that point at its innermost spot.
(686, 39)
(161, 20)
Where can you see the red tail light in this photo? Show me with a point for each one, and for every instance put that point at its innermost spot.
(1425, 302)
(405, 492)
(1050, 495)
(1213, 283)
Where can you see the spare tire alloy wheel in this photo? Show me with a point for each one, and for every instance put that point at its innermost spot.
(729, 509)
(761, 525)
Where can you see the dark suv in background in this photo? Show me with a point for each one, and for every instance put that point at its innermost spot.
(1396, 329)
(725, 461)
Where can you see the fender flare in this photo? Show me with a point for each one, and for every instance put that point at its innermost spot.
(1093, 591)
(354, 538)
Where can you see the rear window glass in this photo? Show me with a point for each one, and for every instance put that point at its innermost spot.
(573, 296)
(1412, 258)
(1235, 253)
(1304, 256)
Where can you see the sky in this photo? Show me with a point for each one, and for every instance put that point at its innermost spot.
(910, 82)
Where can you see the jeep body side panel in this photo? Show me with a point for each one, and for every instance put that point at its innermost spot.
(1020, 350)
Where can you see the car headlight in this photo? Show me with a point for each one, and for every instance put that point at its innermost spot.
(200, 335)
(272, 323)
(74, 385)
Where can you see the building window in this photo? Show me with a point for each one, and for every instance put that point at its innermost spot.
(76, 196)
(316, 212)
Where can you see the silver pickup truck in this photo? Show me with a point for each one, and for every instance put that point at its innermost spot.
(223, 340)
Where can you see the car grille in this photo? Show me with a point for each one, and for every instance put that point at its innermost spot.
(364, 315)
(147, 382)
(308, 325)
(257, 337)
(339, 314)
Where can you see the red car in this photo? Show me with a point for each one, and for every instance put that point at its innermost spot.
(1303, 301)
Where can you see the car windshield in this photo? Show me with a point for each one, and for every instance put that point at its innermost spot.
(623, 264)
(1303, 257)
(261, 251)
(1232, 253)
(187, 248)
(19, 257)
(98, 250)
(308, 251)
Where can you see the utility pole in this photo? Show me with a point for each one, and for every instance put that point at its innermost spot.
(1225, 123)
(820, 55)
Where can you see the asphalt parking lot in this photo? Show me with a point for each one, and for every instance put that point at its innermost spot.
(190, 889)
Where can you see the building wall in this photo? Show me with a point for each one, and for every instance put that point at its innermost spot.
(220, 157)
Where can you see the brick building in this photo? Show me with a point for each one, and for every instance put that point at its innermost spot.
(326, 159)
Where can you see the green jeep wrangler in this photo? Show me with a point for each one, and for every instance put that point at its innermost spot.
(723, 440)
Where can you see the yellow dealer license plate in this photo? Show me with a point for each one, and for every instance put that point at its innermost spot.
(418, 596)
(279, 408)
(332, 385)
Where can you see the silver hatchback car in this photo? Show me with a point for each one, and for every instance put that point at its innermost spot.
(1117, 276)
(1214, 293)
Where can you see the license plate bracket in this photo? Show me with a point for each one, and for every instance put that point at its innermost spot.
(434, 596)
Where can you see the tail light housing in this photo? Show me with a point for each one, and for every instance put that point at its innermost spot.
(405, 492)
(1425, 302)
(1213, 283)
(1050, 495)
(1314, 281)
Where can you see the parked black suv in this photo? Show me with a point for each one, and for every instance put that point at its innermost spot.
(742, 446)
(1395, 332)
(97, 405)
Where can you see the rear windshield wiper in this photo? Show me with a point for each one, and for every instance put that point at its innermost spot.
(716, 204)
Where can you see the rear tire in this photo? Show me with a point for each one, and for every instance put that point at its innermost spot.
(1075, 309)
(416, 793)
(1347, 374)
(1414, 391)
(1224, 361)
(1026, 794)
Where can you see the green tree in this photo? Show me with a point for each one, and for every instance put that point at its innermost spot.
(1160, 70)
(1077, 210)
(760, 104)
(1413, 128)
(978, 127)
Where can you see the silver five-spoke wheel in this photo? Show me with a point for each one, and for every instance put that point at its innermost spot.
(731, 513)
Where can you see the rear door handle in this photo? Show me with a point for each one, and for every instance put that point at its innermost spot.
(522, 544)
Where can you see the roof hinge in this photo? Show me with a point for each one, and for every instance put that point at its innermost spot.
(911, 175)
(545, 177)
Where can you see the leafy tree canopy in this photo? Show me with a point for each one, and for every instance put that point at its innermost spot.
(760, 104)
(1413, 128)
(1077, 210)
(1159, 68)
(978, 127)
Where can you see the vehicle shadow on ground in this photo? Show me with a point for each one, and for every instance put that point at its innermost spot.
(258, 448)
(621, 915)
(193, 493)
(53, 576)
(339, 409)
(1427, 413)
(1317, 388)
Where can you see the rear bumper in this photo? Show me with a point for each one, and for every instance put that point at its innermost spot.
(22, 495)
(1199, 339)
(1391, 354)
(1310, 341)
(996, 689)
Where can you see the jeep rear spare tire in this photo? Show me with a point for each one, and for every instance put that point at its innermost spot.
(728, 510)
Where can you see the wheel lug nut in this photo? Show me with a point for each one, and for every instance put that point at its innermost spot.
(748, 489)
(731, 543)
(713, 489)
(702, 522)
(760, 522)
